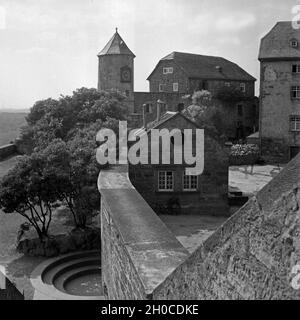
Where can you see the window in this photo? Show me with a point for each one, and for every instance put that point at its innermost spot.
(167, 70)
(147, 108)
(295, 92)
(227, 84)
(190, 183)
(240, 110)
(243, 87)
(294, 43)
(165, 181)
(175, 87)
(161, 87)
(296, 68)
(295, 123)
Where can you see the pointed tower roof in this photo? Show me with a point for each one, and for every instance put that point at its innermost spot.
(116, 45)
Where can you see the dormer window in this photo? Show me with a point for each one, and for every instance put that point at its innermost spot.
(294, 43)
(168, 70)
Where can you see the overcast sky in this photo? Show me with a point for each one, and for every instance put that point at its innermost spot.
(49, 47)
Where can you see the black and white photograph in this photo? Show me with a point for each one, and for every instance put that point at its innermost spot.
(149, 151)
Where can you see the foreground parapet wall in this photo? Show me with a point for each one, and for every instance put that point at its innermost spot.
(8, 291)
(7, 151)
(254, 255)
(138, 251)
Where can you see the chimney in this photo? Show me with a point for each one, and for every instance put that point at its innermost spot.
(159, 106)
(144, 116)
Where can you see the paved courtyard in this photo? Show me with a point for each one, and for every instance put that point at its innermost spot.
(193, 230)
(250, 179)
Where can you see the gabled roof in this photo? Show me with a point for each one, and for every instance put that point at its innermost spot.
(164, 118)
(206, 67)
(276, 44)
(116, 45)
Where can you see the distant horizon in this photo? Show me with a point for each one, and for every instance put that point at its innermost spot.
(50, 49)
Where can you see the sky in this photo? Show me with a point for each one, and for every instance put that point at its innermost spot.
(49, 47)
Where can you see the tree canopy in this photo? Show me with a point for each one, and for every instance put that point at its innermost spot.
(60, 166)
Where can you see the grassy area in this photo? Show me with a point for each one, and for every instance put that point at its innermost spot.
(10, 123)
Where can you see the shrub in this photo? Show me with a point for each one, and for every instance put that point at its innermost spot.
(244, 150)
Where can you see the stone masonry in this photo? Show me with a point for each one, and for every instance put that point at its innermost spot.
(251, 256)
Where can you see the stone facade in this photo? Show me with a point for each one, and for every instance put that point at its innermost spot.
(210, 198)
(241, 117)
(279, 142)
(253, 255)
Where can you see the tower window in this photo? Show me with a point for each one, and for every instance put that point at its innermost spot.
(243, 87)
(175, 86)
(296, 68)
(165, 181)
(295, 92)
(295, 123)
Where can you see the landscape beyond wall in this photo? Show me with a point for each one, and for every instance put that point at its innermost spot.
(250, 257)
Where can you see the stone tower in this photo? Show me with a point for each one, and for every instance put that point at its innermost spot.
(279, 57)
(116, 68)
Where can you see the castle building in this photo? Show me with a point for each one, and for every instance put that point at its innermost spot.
(279, 58)
(175, 77)
(180, 74)
(116, 68)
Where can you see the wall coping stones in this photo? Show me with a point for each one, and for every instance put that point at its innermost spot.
(153, 249)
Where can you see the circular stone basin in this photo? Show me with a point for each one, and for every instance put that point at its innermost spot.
(69, 277)
(86, 284)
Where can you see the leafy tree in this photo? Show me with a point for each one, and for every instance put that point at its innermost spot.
(50, 119)
(28, 190)
(207, 115)
(61, 135)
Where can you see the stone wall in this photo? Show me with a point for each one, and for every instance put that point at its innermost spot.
(109, 76)
(7, 289)
(137, 250)
(251, 256)
(7, 151)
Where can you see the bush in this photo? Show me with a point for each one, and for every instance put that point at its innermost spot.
(244, 154)
(244, 150)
